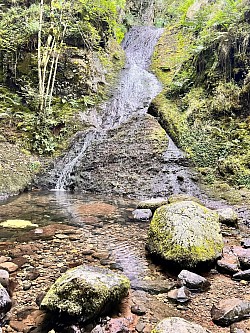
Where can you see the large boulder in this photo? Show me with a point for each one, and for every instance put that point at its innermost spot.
(5, 302)
(176, 324)
(85, 292)
(186, 233)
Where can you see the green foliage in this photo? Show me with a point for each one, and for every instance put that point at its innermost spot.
(205, 102)
(88, 25)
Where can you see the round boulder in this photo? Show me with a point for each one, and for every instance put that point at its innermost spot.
(186, 233)
(176, 324)
(85, 292)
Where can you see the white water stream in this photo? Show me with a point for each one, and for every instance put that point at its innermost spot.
(133, 95)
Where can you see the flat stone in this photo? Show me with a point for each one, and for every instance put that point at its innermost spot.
(152, 204)
(142, 214)
(242, 275)
(178, 325)
(193, 281)
(9, 266)
(230, 310)
(4, 259)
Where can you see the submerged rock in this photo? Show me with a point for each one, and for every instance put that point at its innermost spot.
(85, 292)
(18, 224)
(186, 233)
(5, 301)
(230, 310)
(176, 324)
(193, 281)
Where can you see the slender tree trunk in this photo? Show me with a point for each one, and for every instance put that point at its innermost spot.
(39, 55)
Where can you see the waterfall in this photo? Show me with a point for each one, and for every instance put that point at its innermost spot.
(132, 96)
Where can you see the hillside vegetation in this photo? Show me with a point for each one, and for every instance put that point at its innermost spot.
(56, 59)
(203, 61)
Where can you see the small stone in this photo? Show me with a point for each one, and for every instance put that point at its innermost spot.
(228, 216)
(140, 327)
(139, 310)
(142, 214)
(181, 295)
(193, 281)
(242, 275)
(26, 285)
(4, 278)
(61, 236)
(9, 266)
(246, 243)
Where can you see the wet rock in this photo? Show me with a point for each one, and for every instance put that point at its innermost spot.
(228, 216)
(186, 233)
(193, 281)
(246, 243)
(229, 264)
(9, 266)
(242, 275)
(182, 197)
(181, 295)
(142, 214)
(152, 287)
(138, 309)
(5, 301)
(230, 310)
(176, 324)
(85, 292)
(152, 204)
(241, 327)
(4, 278)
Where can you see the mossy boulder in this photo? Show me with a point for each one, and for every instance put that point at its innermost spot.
(186, 233)
(85, 292)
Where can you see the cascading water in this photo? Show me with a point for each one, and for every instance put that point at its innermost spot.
(133, 94)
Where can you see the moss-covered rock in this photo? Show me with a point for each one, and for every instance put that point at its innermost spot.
(186, 233)
(85, 292)
(18, 224)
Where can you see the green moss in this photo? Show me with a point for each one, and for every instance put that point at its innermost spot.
(160, 140)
